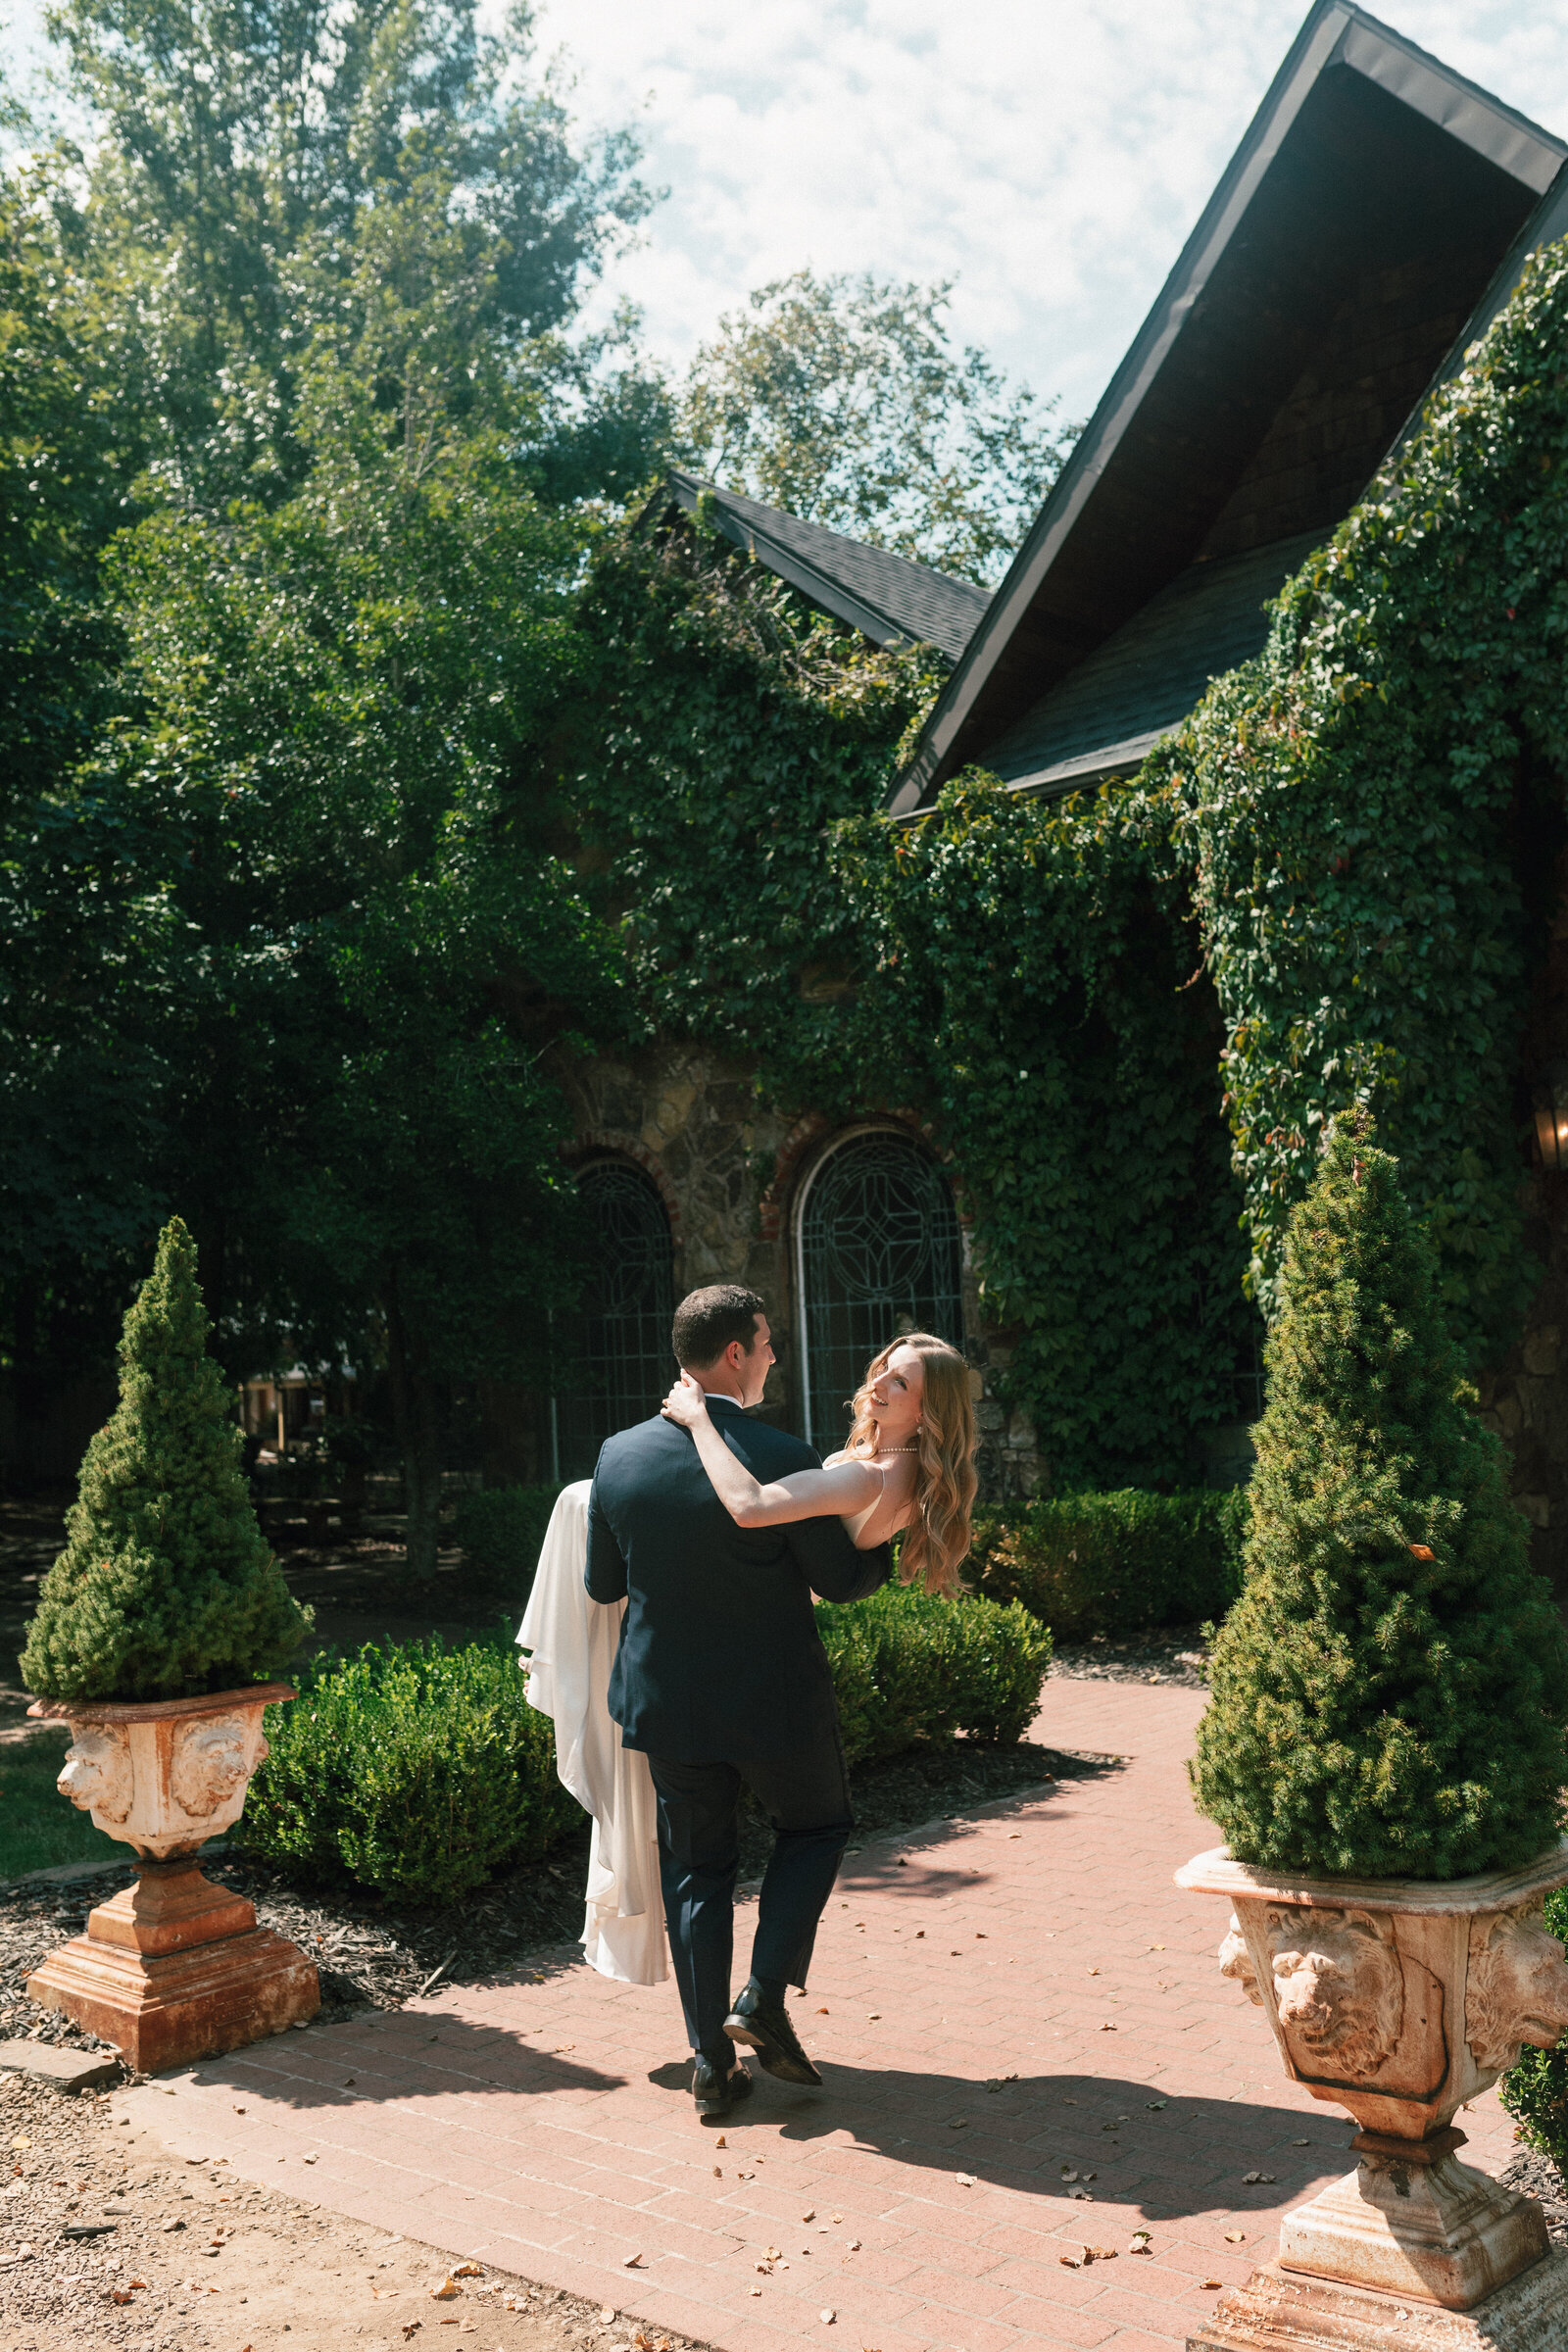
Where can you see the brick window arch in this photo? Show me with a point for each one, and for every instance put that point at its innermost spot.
(876, 1252)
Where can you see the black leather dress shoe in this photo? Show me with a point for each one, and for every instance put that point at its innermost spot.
(714, 2094)
(763, 2027)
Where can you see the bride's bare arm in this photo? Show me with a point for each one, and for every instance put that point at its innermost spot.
(848, 1488)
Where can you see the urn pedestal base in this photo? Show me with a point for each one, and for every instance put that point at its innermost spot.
(1281, 2310)
(1411, 2220)
(175, 1968)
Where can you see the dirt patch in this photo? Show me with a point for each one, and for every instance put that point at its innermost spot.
(174, 2256)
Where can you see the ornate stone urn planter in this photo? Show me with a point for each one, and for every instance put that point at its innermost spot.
(1398, 1999)
(173, 1968)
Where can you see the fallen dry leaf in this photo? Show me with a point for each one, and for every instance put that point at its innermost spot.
(469, 2270)
(718, 2172)
(1072, 2261)
(1236, 2237)
(1208, 2283)
(720, 2141)
(827, 2318)
(1104, 2253)
(1420, 1551)
(630, 2262)
(1107, 2028)
(306, 2160)
(1251, 2180)
(824, 2013)
(240, 2110)
(408, 2325)
(835, 2217)
(445, 2291)
(855, 2245)
(964, 2180)
(1301, 2143)
(810, 2215)
(757, 2291)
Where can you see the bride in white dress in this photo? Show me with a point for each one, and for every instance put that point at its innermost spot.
(907, 1465)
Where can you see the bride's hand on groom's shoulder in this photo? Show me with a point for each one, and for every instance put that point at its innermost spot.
(685, 1403)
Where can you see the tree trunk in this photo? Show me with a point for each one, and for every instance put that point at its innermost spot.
(417, 1418)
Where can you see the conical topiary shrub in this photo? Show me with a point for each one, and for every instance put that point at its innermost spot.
(166, 1586)
(1391, 1689)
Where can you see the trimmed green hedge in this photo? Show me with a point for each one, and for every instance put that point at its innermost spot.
(1114, 1563)
(1535, 2090)
(418, 1770)
(908, 1669)
(501, 1530)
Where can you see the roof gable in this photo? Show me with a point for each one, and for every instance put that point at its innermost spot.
(886, 597)
(1368, 216)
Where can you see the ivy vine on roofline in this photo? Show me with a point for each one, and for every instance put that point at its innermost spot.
(1131, 1014)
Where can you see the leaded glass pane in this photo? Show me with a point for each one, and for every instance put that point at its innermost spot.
(878, 1254)
(622, 1338)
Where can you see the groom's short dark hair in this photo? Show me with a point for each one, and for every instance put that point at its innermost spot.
(707, 1322)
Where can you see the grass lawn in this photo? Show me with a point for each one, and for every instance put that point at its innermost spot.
(38, 1827)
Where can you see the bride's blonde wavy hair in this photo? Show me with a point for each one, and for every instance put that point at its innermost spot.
(935, 1542)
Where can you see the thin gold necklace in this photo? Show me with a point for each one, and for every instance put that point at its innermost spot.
(882, 1449)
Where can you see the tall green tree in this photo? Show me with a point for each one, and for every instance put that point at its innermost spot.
(267, 168)
(845, 401)
(373, 948)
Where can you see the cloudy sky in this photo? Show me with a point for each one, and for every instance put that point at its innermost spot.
(1049, 156)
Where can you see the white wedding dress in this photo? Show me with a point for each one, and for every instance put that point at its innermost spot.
(572, 1643)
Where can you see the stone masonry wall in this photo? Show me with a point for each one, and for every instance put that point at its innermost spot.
(729, 1167)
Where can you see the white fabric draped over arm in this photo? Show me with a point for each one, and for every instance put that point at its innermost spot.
(572, 1641)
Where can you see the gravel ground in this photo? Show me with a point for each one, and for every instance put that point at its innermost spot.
(186, 2257)
(1175, 1654)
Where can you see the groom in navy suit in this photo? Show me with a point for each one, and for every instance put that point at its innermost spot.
(723, 1681)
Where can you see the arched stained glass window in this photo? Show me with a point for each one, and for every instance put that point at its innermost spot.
(621, 1334)
(878, 1253)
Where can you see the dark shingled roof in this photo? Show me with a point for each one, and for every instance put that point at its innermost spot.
(1376, 213)
(888, 599)
(1109, 712)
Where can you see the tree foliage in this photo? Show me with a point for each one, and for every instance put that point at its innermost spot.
(165, 1586)
(841, 399)
(268, 170)
(1391, 1691)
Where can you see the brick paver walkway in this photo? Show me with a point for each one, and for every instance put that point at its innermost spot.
(541, 2125)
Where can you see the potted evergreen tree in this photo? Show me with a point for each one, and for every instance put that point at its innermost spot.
(1384, 1749)
(155, 1631)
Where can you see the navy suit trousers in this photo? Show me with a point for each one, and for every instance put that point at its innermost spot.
(806, 1797)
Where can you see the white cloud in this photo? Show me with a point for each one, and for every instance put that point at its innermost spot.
(1051, 158)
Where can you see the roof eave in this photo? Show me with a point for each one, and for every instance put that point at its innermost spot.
(818, 586)
(1336, 31)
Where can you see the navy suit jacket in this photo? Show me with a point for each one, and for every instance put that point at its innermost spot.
(720, 1659)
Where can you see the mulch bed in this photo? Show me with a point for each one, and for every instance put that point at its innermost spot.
(1535, 2176)
(1175, 1654)
(373, 1952)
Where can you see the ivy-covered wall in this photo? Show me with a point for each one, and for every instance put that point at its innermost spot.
(1024, 979)
(1128, 1017)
